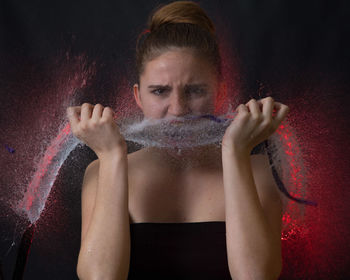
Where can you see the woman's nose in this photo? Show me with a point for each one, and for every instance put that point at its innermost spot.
(178, 105)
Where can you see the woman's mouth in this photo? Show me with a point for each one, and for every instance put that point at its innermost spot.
(176, 122)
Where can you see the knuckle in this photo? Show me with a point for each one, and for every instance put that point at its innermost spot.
(251, 101)
(69, 111)
(93, 123)
(105, 120)
(260, 118)
(255, 118)
(266, 124)
(242, 108)
(84, 126)
(245, 115)
(110, 113)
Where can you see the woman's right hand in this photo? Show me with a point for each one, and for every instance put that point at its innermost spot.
(96, 127)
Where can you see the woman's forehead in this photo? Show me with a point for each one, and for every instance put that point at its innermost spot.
(182, 66)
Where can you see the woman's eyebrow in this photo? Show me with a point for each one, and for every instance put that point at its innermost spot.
(159, 86)
(187, 85)
(203, 85)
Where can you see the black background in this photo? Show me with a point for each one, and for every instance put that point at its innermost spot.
(278, 42)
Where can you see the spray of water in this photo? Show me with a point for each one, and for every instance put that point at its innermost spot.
(176, 132)
(172, 132)
(38, 190)
(184, 132)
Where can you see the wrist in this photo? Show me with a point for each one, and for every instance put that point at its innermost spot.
(113, 155)
(233, 151)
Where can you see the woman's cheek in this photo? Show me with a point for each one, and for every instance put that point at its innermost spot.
(206, 105)
(155, 109)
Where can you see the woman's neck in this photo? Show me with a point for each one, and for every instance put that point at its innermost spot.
(196, 157)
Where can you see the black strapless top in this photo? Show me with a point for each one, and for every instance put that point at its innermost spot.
(180, 251)
(195, 250)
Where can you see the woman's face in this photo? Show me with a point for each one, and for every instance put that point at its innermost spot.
(175, 84)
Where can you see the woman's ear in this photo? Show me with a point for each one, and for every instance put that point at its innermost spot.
(137, 95)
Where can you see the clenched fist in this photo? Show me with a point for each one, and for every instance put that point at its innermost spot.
(96, 127)
(254, 123)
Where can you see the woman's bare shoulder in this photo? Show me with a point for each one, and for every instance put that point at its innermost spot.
(136, 157)
(144, 167)
(139, 158)
(138, 161)
(132, 157)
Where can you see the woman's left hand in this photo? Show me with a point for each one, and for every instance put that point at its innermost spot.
(254, 123)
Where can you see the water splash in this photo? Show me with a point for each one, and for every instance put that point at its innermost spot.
(171, 132)
(177, 132)
(193, 132)
(38, 190)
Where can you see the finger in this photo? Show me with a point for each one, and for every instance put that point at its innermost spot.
(241, 108)
(267, 108)
(107, 113)
(253, 107)
(73, 110)
(86, 111)
(97, 112)
(281, 112)
(73, 114)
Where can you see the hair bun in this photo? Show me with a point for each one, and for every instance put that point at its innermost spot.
(180, 12)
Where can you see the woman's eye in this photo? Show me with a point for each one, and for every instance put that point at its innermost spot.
(197, 91)
(158, 91)
(190, 91)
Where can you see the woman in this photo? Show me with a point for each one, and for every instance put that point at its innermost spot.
(127, 195)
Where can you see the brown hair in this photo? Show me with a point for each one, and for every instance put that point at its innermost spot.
(178, 24)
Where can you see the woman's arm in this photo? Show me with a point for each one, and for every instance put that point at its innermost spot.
(252, 226)
(253, 247)
(105, 240)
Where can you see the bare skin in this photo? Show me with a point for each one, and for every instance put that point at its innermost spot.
(197, 172)
(176, 191)
(159, 185)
